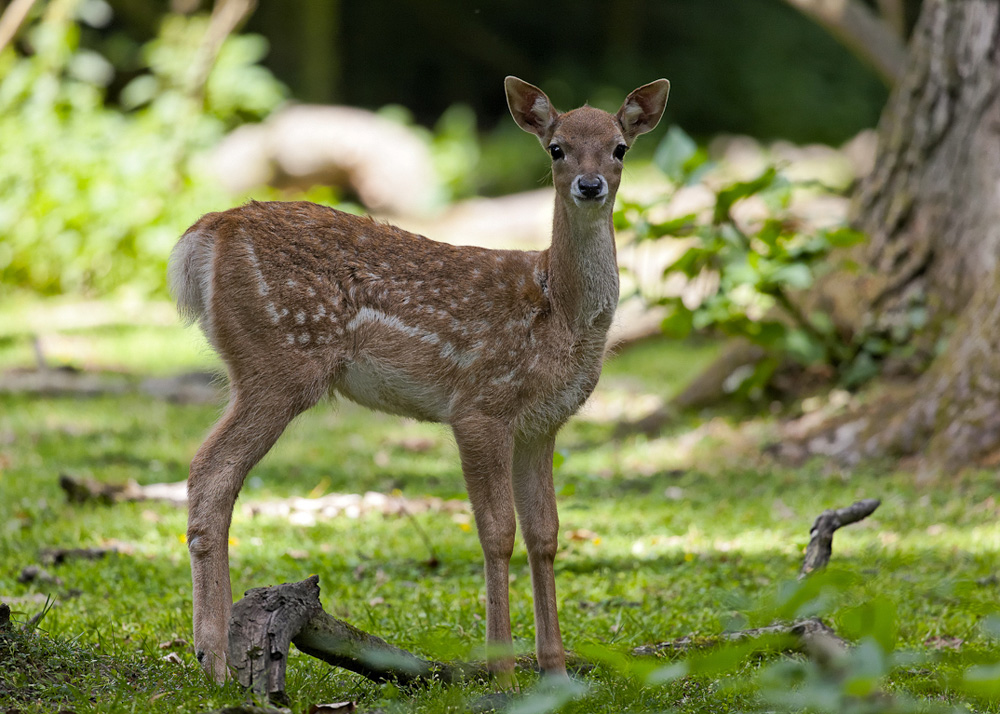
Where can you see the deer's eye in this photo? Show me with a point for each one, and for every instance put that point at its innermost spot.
(556, 151)
(619, 152)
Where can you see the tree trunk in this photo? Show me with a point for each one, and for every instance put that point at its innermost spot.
(931, 207)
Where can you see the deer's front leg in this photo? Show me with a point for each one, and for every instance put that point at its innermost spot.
(535, 497)
(486, 448)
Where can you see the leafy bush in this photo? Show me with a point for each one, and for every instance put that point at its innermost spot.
(95, 196)
(757, 267)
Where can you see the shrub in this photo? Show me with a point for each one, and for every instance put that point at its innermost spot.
(94, 195)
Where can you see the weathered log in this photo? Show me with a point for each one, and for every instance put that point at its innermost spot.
(263, 624)
(820, 546)
(266, 620)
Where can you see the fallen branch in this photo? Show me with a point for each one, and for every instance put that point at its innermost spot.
(267, 619)
(820, 546)
(810, 635)
(301, 511)
(83, 490)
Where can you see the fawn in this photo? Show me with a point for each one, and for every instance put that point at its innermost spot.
(301, 300)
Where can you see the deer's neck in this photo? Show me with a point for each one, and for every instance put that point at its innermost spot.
(583, 267)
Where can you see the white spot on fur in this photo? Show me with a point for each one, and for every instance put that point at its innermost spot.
(272, 312)
(300, 317)
(262, 287)
(505, 379)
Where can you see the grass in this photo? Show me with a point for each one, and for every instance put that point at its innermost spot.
(690, 533)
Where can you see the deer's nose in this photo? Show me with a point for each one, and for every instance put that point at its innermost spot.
(591, 186)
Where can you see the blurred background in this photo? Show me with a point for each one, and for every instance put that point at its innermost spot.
(122, 121)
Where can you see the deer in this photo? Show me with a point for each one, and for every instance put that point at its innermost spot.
(302, 301)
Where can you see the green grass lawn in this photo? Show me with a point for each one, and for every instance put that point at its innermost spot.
(690, 533)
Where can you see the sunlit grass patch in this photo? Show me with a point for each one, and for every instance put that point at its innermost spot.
(690, 533)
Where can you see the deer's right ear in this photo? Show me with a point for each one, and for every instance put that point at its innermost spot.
(530, 108)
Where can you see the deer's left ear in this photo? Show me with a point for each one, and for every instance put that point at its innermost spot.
(642, 109)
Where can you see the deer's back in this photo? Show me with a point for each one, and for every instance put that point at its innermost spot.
(392, 320)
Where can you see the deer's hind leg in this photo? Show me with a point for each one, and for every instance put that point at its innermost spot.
(252, 423)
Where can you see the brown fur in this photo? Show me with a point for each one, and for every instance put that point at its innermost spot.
(302, 300)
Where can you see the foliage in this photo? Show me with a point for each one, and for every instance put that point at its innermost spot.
(651, 548)
(94, 196)
(755, 267)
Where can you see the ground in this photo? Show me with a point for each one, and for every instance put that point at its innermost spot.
(693, 532)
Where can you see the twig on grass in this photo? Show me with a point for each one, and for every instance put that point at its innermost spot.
(820, 546)
(810, 635)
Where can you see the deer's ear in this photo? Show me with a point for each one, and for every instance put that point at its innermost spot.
(643, 108)
(530, 108)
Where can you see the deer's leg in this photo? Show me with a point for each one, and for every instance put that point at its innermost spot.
(535, 497)
(486, 448)
(248, 429)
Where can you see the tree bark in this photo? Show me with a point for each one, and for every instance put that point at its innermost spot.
(931, 207)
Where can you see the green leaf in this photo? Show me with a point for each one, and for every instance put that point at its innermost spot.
(860, 370)
(822, 322)
(803, 347)
(767, 333)
(690, 263)
(742, 189)
(673, 154)
(681, 226)
(845, 237)
(793, 275)
(875, 619)
(770, 232)
(678, 324)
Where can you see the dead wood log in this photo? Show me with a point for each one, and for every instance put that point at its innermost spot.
(263, 624)
(266, 620)
(820, 546)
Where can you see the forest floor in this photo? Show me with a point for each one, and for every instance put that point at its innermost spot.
(694, 532)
